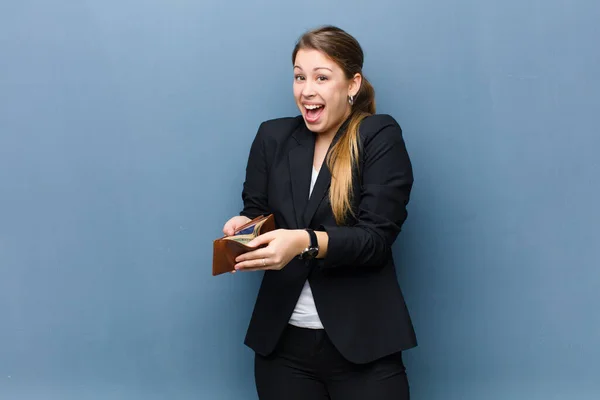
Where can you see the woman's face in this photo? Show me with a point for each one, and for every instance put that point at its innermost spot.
(321, 91)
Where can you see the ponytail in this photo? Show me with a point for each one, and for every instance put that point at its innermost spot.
(345, 154)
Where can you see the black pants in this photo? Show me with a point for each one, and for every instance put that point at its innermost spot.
(306, 366)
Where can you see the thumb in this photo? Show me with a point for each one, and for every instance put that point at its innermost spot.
(228, 230)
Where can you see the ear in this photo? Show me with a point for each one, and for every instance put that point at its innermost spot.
(355, 83)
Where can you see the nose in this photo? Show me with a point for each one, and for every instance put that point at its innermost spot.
(308, 89)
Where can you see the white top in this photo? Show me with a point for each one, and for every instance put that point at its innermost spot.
(305, 314)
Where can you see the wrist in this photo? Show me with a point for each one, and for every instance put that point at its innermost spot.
(311, 245)
(302, 240)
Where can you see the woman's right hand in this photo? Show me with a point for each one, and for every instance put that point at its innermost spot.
(234, 223)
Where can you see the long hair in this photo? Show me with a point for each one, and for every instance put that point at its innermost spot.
(345, 51)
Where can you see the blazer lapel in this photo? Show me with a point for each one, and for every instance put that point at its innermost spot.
(301, 166)
(301, 162)
(323, 181)
(319, 190)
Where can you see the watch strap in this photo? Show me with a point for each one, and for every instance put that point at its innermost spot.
(313, 248)
(313, 238)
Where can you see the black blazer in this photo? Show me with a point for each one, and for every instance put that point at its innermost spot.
(355, 287)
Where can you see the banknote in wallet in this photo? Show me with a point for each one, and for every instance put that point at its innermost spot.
(227, 248)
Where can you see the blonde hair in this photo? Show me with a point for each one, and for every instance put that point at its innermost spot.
(344, 50)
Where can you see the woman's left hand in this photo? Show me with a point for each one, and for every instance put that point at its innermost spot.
(282, 246)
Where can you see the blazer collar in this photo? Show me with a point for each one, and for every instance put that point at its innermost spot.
(301, 166)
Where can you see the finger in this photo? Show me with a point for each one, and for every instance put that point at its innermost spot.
(259, 263)
(253, 255)
(228, 229)
(265, 238)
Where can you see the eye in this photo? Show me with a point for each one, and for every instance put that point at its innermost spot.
(299, 77)
(321, 78)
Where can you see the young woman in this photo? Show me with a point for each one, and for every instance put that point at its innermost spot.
(330, 320)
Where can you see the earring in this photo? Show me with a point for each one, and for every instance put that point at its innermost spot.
(351, 100)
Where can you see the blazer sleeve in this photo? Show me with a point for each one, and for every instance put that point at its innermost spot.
(387, 180)
(254, 192)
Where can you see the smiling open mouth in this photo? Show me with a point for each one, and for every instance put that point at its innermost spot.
(313, 112)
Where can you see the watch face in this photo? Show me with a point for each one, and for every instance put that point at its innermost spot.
(312, 252)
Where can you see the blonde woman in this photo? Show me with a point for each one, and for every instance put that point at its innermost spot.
(330, 321)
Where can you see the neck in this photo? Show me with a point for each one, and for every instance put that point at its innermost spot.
(328, 136)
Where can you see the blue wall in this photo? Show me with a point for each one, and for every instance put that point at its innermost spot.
(124, 131)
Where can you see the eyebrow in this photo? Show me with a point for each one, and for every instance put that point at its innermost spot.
(315, 69)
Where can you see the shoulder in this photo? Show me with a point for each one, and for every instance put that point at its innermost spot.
(278, 129)
(382, 144)
(380, 127)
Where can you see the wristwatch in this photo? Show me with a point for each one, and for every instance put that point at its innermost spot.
(313, 248)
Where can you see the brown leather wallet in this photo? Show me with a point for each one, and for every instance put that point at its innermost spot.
(227, 248)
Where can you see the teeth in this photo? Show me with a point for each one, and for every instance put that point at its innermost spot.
(312, 107)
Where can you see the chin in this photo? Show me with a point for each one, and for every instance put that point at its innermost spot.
(318, 126)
